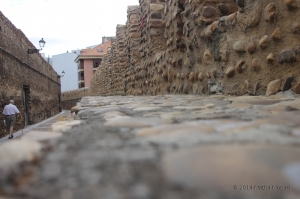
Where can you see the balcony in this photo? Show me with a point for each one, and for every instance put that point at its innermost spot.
(81, 80)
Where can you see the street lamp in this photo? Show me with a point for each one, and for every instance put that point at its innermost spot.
(41, 43)
(63, 74)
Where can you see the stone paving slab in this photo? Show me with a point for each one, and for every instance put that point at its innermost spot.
(171, 146)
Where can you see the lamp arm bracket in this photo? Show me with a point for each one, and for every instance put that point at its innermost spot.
(32, 51)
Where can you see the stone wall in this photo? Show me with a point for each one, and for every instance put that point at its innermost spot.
(110, 78)
(68, 104)
(74, 94)
(19, 70)
(69, 98)
(132, 50)
(206, 47)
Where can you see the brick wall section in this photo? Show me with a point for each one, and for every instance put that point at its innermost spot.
(207, 47)
(18, 68)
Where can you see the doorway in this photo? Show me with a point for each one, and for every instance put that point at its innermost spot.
(59, 103)
(26, 92)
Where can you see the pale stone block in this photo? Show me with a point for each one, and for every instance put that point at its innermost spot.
(156, 7)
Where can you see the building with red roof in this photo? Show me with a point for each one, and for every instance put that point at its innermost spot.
(89, 60)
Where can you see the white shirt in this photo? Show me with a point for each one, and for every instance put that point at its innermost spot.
(10, 110)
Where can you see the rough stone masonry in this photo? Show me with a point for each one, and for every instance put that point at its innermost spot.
(26, 78)
(204, 47)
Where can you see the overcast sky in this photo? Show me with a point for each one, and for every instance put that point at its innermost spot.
(66, 24)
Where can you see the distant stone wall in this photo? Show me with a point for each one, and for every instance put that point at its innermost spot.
(68, 104)
(18, 69)
(74, 94)
(204, 47)
(110, 78)
(69, 98)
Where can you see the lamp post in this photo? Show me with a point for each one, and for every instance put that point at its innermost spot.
(63, 74)
(41, 43)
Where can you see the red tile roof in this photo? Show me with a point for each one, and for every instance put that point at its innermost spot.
(94, 52)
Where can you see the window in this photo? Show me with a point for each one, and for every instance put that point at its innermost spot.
(81, 85)
(81, 76)
(96, 63)
(81, 65)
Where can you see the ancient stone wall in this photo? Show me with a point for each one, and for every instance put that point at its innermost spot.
(154, 33)
(110, 78)
(207, 46)
(132, 48)
(68, 104)
(20, 70)
(74, 94)
(69, 98)
(98, 85)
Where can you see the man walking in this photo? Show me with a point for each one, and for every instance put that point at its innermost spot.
(10, 112)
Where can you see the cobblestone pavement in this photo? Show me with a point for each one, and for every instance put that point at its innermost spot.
(169, 147)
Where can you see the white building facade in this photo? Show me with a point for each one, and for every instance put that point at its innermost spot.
(65, 62)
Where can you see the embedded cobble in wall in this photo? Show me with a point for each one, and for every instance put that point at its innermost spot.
(204, 47)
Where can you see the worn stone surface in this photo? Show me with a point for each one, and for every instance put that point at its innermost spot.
(17, 152)
(64, 125)
(41, 135)
(192, 146)
(206, 174)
